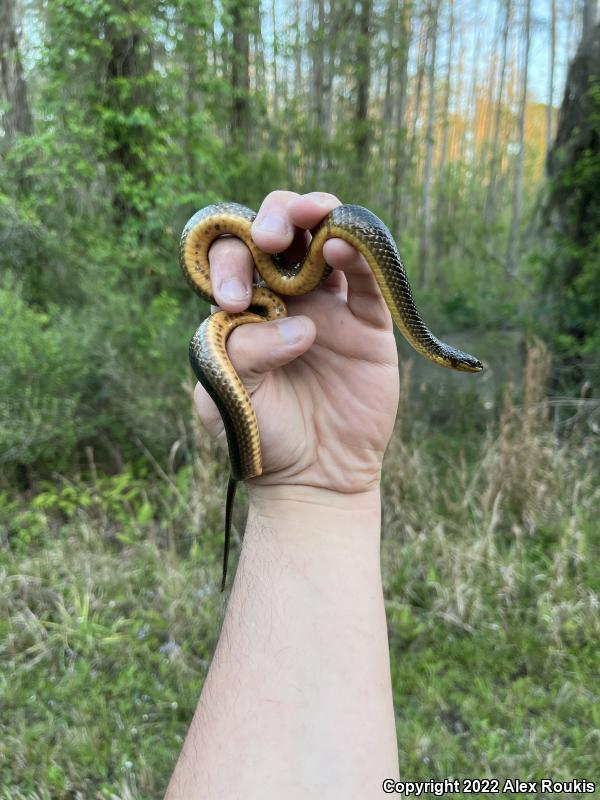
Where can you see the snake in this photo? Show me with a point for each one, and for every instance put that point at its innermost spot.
(207, 350)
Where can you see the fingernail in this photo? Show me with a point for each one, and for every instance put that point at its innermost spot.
(234, 290)
(291, 329)
(273, 223)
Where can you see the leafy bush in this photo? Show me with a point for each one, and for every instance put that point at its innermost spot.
(42, 370)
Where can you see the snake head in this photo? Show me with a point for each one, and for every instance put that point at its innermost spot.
(463, 362)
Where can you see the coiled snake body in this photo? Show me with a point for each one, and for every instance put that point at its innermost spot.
(208, 355)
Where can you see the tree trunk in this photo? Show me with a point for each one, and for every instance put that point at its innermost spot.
(318, 83)
(390, 97)
(128, 63)
(571, 216)
(190, 103)
(490, 205)
(390, 64)
(570, 14)
(274, 64)
(240, 75)
(590, 10)
(297, 51)
(259, 106)
(491, 90)
(16, 118)
(456, 134)
(473, 102)
(425, 240)
(412, 148)
(441, 194)
(447, 93)
(399, 171)
(363, 80)
(550, 108)
(195, 51)
(514, 238)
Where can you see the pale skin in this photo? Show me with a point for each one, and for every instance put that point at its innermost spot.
(298, 700)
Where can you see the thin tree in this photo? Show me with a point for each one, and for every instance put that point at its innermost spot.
(447, 92)
(16, 117)
(588, 19)
(363, 79)
(550, 109)
(490, 204)
(274, 66)
(391, 49)
(129, 63)
(240, 73)
(492, 75)
(261, 107)
(318, 82)
(194, 51)
(424, 245)
(390, 95)
(399, 128)
(472, 106)
(513, 236)
(422, 51)
(441, 169)
(297, 49)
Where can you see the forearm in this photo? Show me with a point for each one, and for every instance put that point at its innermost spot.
(298, 700)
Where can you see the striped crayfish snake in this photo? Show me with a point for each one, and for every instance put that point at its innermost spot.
(208, 355)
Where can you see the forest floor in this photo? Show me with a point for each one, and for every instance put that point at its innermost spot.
(110, 609)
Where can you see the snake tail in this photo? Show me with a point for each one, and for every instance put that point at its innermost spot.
(231, 487)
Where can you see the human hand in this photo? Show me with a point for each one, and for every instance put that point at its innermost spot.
(324, 381)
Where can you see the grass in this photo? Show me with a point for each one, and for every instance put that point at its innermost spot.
(110, 608)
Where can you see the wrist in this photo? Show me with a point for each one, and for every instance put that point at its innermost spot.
(323, 536)
(324, 509)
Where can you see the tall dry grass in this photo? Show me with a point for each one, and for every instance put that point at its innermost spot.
(475, 522)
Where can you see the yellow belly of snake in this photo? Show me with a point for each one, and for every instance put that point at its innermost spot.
(208, 354)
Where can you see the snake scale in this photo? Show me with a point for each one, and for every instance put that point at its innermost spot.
(208, 356)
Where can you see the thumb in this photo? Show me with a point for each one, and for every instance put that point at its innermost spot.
(255, 350)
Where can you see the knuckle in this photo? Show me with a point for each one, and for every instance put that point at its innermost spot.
(227, 247)
(231, 257)
(278, 197)
(280, 194)
(325, 198)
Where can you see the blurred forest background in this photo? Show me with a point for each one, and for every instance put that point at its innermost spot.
(473, 129)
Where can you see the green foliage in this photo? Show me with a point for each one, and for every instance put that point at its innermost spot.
(88, 374)
(41, 369)
(93, 317)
